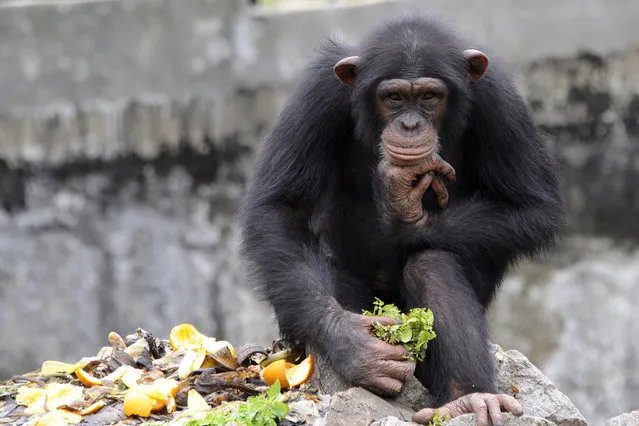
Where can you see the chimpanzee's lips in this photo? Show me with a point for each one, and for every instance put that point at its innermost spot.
(407, 155)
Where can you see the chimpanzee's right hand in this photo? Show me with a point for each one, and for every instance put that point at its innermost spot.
(367, 361)
(404, 186)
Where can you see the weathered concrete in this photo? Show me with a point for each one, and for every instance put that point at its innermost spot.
(127, 131)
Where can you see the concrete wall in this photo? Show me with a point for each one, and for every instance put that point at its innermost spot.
(127, 131)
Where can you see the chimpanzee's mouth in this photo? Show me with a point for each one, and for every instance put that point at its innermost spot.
(408, 156)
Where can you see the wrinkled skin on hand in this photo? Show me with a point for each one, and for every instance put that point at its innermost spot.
(484, 405)
(368, 361)
(404, 186)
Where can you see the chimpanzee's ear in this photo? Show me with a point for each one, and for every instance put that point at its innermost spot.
(477, 63)
(346, 69)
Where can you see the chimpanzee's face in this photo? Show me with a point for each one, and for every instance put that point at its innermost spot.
(412, 111)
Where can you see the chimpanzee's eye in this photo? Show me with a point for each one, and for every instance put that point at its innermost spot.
(428, 96)
(394, 96)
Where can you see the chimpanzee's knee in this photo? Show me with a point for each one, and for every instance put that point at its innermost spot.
(429, 266)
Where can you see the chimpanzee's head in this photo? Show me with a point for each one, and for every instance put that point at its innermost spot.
(411, 88)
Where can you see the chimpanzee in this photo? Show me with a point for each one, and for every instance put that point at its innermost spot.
(339, 211)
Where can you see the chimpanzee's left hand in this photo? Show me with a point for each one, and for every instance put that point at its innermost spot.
(404, 186)
(482, 404)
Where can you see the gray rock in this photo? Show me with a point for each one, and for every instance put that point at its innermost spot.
(392, 421)
(469, 420)
(537, 394)
(626, 419)
(324, 377)
(543, 403)
(305, 411)
(359, 407)
(414, 395)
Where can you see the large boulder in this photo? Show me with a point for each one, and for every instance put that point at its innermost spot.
(626, 419)
(544, 404)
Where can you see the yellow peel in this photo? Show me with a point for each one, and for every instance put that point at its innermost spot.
(171, 406)
(117, 373)
(58, 394)
(167, 386)
(59, 418)
(151, 391)
(130, 378)
(93, 408)
(185, 336)
(57, 368)
(32, 398)
(212, 346)
(192, 360)
(195, 401)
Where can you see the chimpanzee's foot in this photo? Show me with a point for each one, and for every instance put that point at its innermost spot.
(482, 404)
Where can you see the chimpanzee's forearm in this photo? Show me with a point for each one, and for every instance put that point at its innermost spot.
(478, 228)
(458, 360)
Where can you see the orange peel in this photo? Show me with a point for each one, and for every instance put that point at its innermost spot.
(300, 373)
(137, 404)
(93, 408)
(277, 370)
(86, 378)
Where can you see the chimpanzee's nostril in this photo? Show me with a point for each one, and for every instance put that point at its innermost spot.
(410, 124)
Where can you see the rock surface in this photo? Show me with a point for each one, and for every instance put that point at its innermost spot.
(544, 404)
(626, 419)
(359, 407)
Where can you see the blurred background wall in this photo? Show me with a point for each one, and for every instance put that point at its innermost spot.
(127, 132)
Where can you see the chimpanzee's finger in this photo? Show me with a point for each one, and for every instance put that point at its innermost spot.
(370, 320)
(399, 370)
(425, 415)
(446, 170)
(494, 409)
(510, 404)
(480, 408)
(440, 189)
(390, 352)
(422, 186)
(385, 385)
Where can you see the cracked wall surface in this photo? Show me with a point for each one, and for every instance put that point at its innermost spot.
(127, 134)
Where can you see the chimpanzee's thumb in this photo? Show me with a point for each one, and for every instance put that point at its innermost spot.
(382, 320)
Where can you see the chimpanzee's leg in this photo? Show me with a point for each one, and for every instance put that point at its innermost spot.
(458, 360)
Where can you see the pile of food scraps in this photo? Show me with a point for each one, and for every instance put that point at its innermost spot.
(191, 380)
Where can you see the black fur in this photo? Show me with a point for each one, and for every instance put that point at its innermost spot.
(311, 225)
